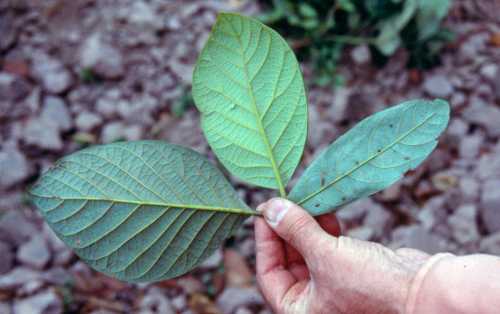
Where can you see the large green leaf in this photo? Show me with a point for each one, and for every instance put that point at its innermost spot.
(429, 16)
(248, 86)
(372, 155)
(139, 211)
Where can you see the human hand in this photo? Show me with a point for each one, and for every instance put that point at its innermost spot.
(304, 266)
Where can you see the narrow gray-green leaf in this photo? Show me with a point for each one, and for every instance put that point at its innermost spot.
(139, 211)
(372, 155)
(249, 89)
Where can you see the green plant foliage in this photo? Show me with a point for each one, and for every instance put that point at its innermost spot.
(320, 30)
(139, 211)
(248, 87)
(372, 155)
(146, 210)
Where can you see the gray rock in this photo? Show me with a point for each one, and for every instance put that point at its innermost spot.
(46, 302)
(378, 219)
(13, 88)
(7, 259)
(55, 78)
(55, 113)
(18, 277)
(433, 212)
(34, 253)
(496, 87)
(463, 224)
(418, 238)
(15, 228)
(486, 115)
(105, 60)
(470, 145)
(232, 298)
(488, 166)
(133, 132)
(113, 132)
(469, 188)
(361, 54)
(456, 131)
(490, 205)
(13, 167)
(214, 260)
(86, 121)
(438, 86)
(155, 301)
(243, 310)
(355, 210)
(490, 244)
(107, 106)
(179, 302)
(40, 133)
(361, 233)
(489, 71)
(337, 110)
(5, 308)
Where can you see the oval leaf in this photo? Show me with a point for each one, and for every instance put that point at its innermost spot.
(372, 155)
(139, 211)
(248, 86)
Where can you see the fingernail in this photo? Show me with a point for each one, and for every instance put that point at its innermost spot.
(274, 210)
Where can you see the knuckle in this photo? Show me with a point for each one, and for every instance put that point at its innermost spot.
(298, 228)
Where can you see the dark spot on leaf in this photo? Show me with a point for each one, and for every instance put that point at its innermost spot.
(316, 205)
(407, 158)
(344, 199)
(321, 179)
(379, 150)
(391, 126)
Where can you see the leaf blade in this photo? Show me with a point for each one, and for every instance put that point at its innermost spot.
(135, 210)
(372, 155)
(248, 87)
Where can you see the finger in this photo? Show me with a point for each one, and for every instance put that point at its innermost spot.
(294, 225)
(273, 277)
(330, 224)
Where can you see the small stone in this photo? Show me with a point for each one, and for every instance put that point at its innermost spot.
(54, 77)
(13, 88)
(112, 132)
(433, 213)
(132, 132)
(470, 145)
(56, 114)
(457, 129)
(243, 310)
(378, 219)
(337, 110)
(214, 261)
(444, 181)
(237, 272)
(469, 188)
(355, 210)
(87, 120)
(7, 258)
(102, 58)
(417, 237)
(484, 114)
(361, 54)
(232, 298)
(490, 205)
(15, 228)
(392, 193)
(18, 277)
(438, 86)
(361, 233)
(463, 224)
(155, 301)
(5, 308)
(179, 302)
(488, 166)
(34, 253)
(14, 167)
(490, 244)
(40, 133)
(46, 302)
(489, 71)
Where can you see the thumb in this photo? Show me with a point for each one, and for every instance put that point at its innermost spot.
(294, 225)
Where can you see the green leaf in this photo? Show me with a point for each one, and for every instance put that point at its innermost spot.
(248, 87)
(388, 40)
(139, 211)
(372, 155)
(429, 16)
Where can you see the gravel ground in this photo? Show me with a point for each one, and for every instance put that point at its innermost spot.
(74, 73)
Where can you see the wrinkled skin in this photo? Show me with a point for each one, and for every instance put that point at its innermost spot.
(305, 266)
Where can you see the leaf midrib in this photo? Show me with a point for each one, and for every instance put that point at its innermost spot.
(228, 210)
(255, 109)
(361, 164)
